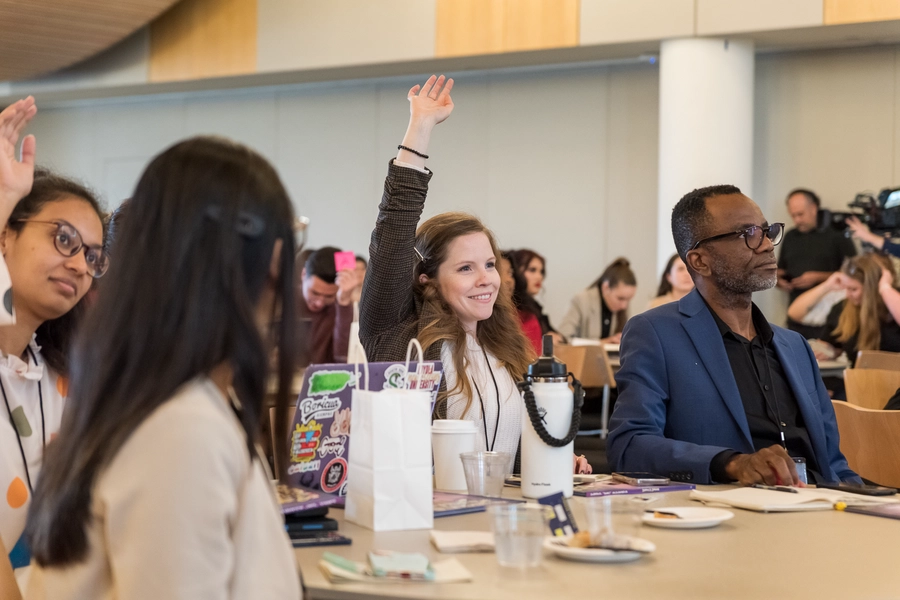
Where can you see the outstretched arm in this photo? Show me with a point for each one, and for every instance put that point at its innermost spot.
(16, 176)
(387, 291)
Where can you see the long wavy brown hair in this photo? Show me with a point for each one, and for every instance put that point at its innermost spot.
(865, 319)
(500, 334)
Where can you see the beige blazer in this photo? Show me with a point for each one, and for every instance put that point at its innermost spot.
(584, 318)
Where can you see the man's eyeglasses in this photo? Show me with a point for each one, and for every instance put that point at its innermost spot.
(68, 242)
(753, 235)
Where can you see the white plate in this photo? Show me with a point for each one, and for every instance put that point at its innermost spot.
(692, 517)
(560, 547)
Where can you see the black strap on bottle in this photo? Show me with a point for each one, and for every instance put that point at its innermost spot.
(537, 420)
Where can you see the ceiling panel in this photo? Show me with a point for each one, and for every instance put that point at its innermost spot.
(41, 36)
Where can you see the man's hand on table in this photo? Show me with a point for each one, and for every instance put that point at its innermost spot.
(771, 466)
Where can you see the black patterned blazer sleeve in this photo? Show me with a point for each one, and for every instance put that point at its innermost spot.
(387, 297)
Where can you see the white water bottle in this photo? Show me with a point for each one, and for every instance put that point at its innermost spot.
(553, 414)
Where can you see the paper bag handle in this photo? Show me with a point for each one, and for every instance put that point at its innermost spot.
(365, 363)
(409, 347)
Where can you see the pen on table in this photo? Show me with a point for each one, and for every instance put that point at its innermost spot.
(776, 488)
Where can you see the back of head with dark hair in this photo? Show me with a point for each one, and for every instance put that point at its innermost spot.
(200, 235)
(808, 194)
(54, 336)
(690, 219)
(321, 264)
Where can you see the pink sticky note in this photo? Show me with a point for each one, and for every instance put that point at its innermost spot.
(344, 261)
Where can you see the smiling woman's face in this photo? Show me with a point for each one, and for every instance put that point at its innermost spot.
(468, 279)
(46, 284)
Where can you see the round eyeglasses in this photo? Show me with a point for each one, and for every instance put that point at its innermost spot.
(68, 242)
(753, 235)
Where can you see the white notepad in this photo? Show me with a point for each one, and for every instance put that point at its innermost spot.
(774, 501)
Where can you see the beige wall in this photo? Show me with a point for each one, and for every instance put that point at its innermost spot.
(575, 148)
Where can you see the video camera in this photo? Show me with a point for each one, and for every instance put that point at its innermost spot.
(881, 213)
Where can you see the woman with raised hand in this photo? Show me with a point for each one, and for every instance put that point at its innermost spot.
(868, 318)
(52, 246)
(600, 311)
(154, 487)
(439, 283)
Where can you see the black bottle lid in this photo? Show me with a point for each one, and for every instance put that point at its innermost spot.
(546, 365)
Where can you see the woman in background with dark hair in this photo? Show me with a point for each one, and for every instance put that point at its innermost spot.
(532, 267)
(52, 246)
(154, 488)
(600, 311)
(675, 284)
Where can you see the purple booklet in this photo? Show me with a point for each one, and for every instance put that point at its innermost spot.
(612, 488)
(295, 499)
(891, 511)
(447, 504)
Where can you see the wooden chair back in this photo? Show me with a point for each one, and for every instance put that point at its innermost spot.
(870, 388)
(876, 359)
(9, 589)
(589, 364)
(870, 439)
(276, 460)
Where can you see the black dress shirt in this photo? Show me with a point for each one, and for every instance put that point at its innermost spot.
(766, 394)
(606, 316)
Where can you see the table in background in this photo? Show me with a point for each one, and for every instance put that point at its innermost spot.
(815, 555)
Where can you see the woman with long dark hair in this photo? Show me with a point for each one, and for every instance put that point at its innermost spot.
(600, 311)
(52, 246)
(439, 283)
(532, 268)
(154, 488)
(675, 283)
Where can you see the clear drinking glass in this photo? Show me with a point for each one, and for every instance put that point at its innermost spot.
(610, 518)
(519, 532)
(486, 472)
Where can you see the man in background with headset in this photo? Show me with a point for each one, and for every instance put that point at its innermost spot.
(709, 391)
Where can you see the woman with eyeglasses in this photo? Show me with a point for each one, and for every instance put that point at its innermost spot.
(154, 488)
(52, 247)
(868, 318)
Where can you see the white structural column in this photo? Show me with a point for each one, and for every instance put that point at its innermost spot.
(705, 122)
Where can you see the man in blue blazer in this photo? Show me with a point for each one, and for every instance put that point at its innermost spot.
(709, 391)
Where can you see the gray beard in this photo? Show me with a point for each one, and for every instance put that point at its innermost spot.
(732, 282)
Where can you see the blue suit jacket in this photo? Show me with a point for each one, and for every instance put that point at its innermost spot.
(679, 405)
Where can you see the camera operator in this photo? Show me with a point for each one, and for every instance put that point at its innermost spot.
(809, 254)
(862, 232)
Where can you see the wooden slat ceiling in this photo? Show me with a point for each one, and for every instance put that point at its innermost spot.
(41, 36)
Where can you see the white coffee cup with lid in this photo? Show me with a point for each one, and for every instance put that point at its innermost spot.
(449, 439)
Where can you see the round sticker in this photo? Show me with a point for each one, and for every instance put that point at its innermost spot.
(333, 475)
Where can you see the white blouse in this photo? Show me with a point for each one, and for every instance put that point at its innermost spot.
(35, 396)
(507, 421)
(181, 513)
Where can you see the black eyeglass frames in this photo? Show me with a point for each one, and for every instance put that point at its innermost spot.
(68, 242)
(753, 235)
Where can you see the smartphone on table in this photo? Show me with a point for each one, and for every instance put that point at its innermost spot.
(640, 478)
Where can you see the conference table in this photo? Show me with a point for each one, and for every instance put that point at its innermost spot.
(815, 555)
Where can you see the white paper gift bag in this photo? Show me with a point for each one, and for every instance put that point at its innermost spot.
(389, 484)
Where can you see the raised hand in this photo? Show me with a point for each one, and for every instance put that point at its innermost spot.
(431, 103)
(347, 282)
(16, 176)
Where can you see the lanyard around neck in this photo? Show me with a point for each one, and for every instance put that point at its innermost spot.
(16, 428)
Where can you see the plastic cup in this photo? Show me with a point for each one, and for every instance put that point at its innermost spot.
(610, 518)
(449, 439)
(486, 472)
(519, 532)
